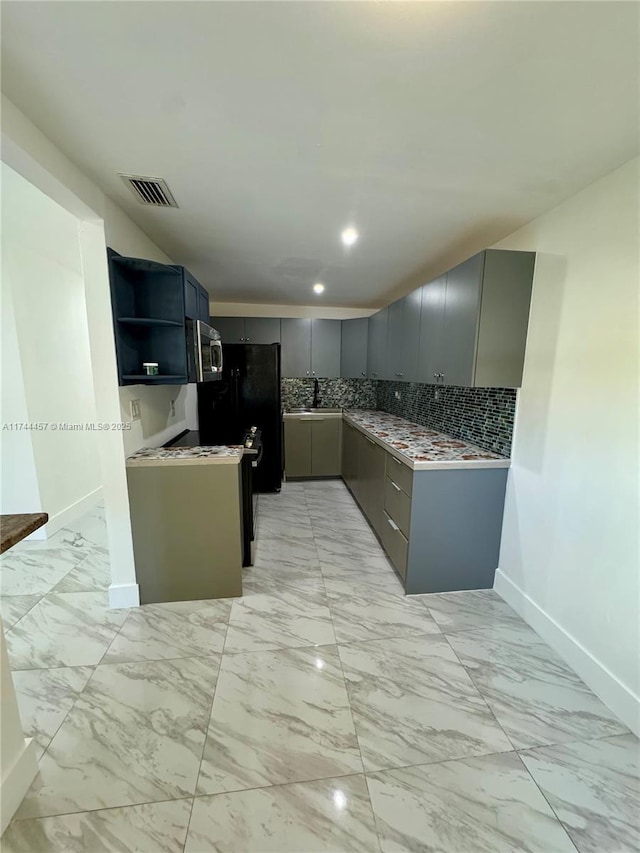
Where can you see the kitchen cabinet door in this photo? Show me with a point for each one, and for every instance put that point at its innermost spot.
(461, 315)
(350, 456)
(353, 362)
(371, 471)
(326, 446)
(297, 447)
(431, 329)
(411, 314)
(203, 305)
(231, 329)
(262, 330)
(395, 334)
(325, 348)
(296, 347)
(191, 296)
(377, 344)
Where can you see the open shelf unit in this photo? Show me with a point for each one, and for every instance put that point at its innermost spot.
(148, 305)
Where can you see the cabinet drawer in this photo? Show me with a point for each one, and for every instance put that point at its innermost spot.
(397, 504)
(400, 473)
(395, 544)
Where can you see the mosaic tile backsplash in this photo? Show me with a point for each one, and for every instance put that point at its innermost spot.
(482, 416)
(343, 393)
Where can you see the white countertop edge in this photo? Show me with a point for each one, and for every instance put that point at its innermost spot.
(185, 460)
(438, 465)
(311, 416)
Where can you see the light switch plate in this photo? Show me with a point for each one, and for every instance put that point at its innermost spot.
(172, 408)
(135, 410)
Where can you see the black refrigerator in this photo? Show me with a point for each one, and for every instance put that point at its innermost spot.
(247, 395)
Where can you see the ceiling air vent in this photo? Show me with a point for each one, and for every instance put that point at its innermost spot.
(153, 191)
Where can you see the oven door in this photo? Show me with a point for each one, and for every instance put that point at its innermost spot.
(209, 355)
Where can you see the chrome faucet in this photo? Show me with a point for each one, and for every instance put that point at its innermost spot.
(316, 394)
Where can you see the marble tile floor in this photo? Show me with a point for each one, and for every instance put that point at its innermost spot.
(322, 711)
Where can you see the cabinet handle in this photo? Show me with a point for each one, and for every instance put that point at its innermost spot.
(435, 375)
(308, 372)
(401, 375)
(394, 526)
(397, 488)
(247, 339)
(313, 373)
(363, 373)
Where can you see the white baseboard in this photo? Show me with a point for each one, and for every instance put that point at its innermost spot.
(124, 595)
(69, 514)
(616, 695)
(16, 782)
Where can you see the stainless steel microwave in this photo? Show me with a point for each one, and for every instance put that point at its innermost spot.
(205, 353)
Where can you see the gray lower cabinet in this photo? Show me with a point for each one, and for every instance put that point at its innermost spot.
(377, 344)
(312, 446)
(440, 529)
(350, 441)
(297, 447)
(371, 468)
(353, 361)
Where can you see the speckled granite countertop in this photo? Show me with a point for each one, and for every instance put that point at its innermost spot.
(421, 448)
(219, 454)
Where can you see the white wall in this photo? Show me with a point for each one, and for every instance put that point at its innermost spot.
(42, 277)
(569, 559)
(26, 150)
(18, 763)
(19, 491)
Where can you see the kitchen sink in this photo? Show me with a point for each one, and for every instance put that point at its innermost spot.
(320, 410)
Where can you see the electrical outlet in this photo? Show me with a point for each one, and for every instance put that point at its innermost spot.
(436, 395)
(397, 395)
(172, 408)
(135, 410)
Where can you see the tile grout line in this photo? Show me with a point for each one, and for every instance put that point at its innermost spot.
(206, 733)
(346, 690)
(544, 797)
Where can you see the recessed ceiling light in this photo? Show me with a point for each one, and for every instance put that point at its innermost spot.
(349, 236)
(318, 288)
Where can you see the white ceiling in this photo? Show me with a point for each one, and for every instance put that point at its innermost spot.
(435, 128)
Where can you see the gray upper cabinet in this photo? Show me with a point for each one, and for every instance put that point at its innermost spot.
(395, 334)
(254, 330)
(474, 321)
(296, 347)
(431, 328)
(353, 363)
(377, 344)
(404, 338)
(461, 312)
(262, 330)
(231, 329)
(325, 348)
(504, 318)
(311, 348)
